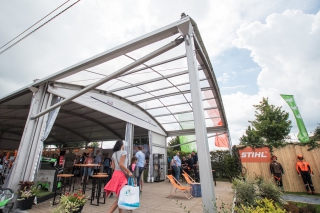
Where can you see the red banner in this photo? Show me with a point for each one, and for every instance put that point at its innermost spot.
(249, 155)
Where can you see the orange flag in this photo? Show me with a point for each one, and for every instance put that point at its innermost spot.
(222, 140)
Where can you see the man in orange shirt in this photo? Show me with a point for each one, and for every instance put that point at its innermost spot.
(304, 170)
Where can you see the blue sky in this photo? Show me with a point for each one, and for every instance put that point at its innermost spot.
(257, 48)
(232, 69)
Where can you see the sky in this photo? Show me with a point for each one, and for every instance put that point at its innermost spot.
(257, 48)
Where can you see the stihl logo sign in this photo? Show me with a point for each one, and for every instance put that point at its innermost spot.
(255, 155)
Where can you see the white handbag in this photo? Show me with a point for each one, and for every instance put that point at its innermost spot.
(129, 197)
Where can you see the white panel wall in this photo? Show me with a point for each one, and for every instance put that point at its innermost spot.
(158, 150)
(159, 144)
(158, 139)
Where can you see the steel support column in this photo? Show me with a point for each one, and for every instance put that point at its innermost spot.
(21, 169)
(129, 141)
(208, 195)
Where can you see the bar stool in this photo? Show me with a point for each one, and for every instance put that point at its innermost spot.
(96, 189)
(105, 179)
(63, 186)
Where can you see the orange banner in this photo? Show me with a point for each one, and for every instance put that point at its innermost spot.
(255, 155)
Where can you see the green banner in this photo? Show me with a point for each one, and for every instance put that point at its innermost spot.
(303, 134)
(183, 139)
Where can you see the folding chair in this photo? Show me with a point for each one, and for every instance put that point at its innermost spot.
(177, 186)
(188, 179)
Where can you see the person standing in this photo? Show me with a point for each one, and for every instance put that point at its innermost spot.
(190, 164)
(69, 162)
(119, 165)
(195, 166)
(107, 166)
(171, 166)
(177, 166)
(87, 170)
(304, 170)
(97, 160)
(134, 169)
(81, 161)
(142, 175)
(276, 170)
(141, 162)
(184, 164)
(1, 159)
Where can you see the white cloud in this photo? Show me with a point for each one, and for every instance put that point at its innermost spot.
(234, 87)
(287, 47)
(284, 44)
(224, 78)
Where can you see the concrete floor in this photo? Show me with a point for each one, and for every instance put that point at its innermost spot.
(154, 199)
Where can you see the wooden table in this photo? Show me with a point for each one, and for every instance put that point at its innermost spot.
(86, 166)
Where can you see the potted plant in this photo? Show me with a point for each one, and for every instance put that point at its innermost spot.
(27, 193)
(71, 203)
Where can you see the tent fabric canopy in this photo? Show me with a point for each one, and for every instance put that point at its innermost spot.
(158, 90)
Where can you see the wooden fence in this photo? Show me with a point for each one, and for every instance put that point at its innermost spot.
(287, 156)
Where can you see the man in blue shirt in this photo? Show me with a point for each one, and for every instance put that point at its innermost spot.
(97, 160)
(177, 166)
(141, 162)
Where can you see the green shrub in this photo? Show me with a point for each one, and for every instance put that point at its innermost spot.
(262, 206)
(248, 190)
(269, 190)
(245, 191)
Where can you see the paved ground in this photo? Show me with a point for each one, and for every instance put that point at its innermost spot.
(154, 199)
(302, 198)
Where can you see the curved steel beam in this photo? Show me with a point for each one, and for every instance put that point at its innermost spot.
(71, 130)
(13, 117)
(14, 106)
(49, 136)
(93, 120)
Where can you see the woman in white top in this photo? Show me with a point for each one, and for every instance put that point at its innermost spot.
(118, 180)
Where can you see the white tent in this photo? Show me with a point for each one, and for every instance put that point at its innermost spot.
(159, 85)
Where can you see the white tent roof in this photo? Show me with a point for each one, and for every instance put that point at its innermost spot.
(159, 90)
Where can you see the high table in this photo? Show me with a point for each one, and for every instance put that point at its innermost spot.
(86, 167)
(64, 184)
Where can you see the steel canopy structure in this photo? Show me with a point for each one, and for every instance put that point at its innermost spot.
(175, 93)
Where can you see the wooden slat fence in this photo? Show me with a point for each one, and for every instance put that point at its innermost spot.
(287, 156)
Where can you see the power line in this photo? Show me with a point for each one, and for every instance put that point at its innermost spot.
(37, 27)
(33, 25)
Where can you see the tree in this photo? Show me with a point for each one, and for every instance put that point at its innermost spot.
(94, 144)
(224, 164)
(316, 134)
(173, 142)
(251, 138)
(270, 126)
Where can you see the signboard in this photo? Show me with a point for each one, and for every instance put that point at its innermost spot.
(249, 155)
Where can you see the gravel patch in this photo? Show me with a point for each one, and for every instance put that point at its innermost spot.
(303, 199)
